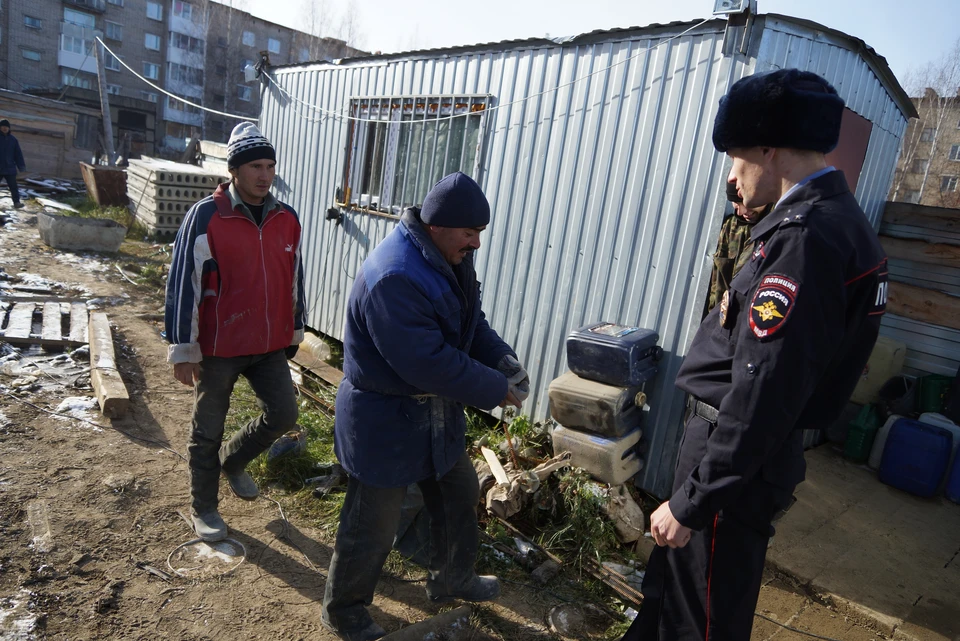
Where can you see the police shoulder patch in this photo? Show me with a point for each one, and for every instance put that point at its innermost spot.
(772, 305)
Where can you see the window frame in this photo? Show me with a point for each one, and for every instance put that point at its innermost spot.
(159, 6)
(114, 90)
(181, 5)
(244, 93)
(152, 65)
(117, 3)
(927, 134)
(253, 39)
(26, 22)
(948, 184)
(159, 41)
(109, 58)
(25, 50)
(93, 18)
(270, 42)
(954, 152)
(911, 196)
(106, 30)
(392, 185)
(919, 165)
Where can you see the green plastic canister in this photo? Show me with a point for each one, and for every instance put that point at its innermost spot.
(932, 392)
(863, 430)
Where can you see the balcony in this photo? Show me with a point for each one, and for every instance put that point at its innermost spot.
(88, 5)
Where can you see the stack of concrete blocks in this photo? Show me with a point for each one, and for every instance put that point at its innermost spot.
(161, 192)
(213, 157)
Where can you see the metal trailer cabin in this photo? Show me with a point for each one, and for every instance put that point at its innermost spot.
(595, 154)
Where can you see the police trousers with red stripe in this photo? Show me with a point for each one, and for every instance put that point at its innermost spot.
(708, 589)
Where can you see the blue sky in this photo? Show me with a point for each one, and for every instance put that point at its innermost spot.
(908, 33)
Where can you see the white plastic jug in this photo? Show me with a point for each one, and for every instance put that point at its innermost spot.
(876, 452)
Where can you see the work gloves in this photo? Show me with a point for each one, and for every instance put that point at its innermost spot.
(517, 378)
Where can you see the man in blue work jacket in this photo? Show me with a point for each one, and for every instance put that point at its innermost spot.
(781, 353)
(417, 348)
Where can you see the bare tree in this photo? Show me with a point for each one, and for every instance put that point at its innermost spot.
(926, 167)
(349, 30)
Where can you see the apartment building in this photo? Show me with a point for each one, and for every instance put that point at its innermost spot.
(194, 49)
(929, 167)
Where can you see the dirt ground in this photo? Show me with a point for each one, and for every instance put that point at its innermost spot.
(90, 515)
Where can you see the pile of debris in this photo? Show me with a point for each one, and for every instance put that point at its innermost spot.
(161, 192)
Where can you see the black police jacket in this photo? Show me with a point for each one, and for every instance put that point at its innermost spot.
(785, 348)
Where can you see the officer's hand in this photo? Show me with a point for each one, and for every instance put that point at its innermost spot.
(516, 375)
(666, 530)
(187, 373)
(291, 350)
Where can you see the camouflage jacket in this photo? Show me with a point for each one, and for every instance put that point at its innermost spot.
(733, 252)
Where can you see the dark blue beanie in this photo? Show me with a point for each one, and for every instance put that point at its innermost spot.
(456, 201)
(784, 108)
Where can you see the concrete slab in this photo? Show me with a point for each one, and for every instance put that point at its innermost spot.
(872, 550)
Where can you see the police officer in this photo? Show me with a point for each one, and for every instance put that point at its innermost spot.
(781, 353)
(734, 245)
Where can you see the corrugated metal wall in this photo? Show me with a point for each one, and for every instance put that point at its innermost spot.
(606, 195)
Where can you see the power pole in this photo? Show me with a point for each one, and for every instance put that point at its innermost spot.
(105, 104)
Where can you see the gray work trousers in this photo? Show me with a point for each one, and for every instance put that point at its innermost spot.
(368, 525)
(269, 376)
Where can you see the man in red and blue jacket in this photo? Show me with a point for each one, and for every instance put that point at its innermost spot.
(235, 306)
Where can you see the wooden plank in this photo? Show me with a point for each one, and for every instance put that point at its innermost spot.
(107, 383)
(52, 322)
(313, 364)
(932, 218)
(79, 319)
(20, 323)
(921, 252)
(925, 305)
(39, 299)
(59, 342)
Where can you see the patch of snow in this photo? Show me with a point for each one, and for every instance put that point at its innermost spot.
(86, 262)
(38, 281)
(17, 621)
(77, 407)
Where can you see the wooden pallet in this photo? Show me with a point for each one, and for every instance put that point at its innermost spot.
(62, 324)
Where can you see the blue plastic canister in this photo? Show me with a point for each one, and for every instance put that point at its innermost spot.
(952, 491)
(620, 355)
(915, 457)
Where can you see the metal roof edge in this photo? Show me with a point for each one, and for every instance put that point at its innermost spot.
(877, 62)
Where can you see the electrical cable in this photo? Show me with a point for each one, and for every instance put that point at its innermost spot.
(174, 96)
(342, 116)
(791, 629)
(103, 427)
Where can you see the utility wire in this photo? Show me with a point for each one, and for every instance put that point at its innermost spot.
(174, 96)
(342, 116)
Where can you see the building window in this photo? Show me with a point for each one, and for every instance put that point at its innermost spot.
(948, 183)
(79, 18)
(114, 30)
(113, 90)
(273, 45)
(221, 70)
(178, 105)
(304, 54)
(919, 166)
(151, 41)
(246, 62)
(182, 73)
(221, 41)
(74, 44)
(911, 196)
(110, 61)
(391, 165)
(149, 96)
(151, 71)
(154, 11)
(927, 134)
(249, 39)
(30, 54)
(33, 23)
(77, 80)
(186, 43)
(118, 3)
(183, 10)
(243, 93)
(219, 99)
(955, 152)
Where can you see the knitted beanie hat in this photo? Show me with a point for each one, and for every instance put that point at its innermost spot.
(456, 201)
(248, 144)
(4, 123)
